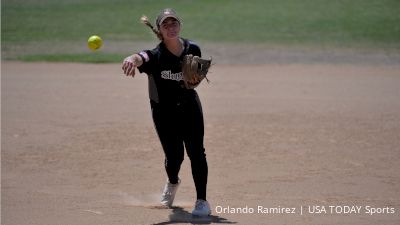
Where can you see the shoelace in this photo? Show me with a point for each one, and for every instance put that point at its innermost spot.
(168, 190)
(200, 204)
(168, 193)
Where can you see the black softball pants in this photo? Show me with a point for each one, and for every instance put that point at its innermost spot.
(180, 126)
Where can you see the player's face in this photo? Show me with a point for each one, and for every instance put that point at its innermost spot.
(170, 28)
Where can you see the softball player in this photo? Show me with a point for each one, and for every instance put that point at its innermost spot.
(176, 111)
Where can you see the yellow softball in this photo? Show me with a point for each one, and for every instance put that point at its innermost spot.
(95, 42)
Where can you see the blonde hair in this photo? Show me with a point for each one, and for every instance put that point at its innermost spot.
(146, 22)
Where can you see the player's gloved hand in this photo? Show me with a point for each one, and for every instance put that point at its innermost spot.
(129, 65)
(194, 70)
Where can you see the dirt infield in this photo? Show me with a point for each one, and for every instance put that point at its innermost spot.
(317, 139)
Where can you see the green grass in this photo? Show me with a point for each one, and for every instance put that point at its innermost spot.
(82, 57)
(348, 23)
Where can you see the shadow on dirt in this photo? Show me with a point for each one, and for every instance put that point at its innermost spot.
(179, 215)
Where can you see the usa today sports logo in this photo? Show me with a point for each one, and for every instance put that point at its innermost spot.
(307, 210)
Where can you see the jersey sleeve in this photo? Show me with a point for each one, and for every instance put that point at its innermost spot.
(148, 58)
(194, 48)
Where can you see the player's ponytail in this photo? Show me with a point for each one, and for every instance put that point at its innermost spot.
(146, 21)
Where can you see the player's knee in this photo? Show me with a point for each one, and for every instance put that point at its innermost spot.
(197, 154)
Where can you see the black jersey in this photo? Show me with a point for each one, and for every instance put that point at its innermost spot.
(164, 70)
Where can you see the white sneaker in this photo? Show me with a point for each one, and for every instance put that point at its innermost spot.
(201, 208)
(168, 195)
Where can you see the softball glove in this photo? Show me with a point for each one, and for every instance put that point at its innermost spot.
(194, 70)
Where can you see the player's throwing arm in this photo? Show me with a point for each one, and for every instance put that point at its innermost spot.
(130, 63)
